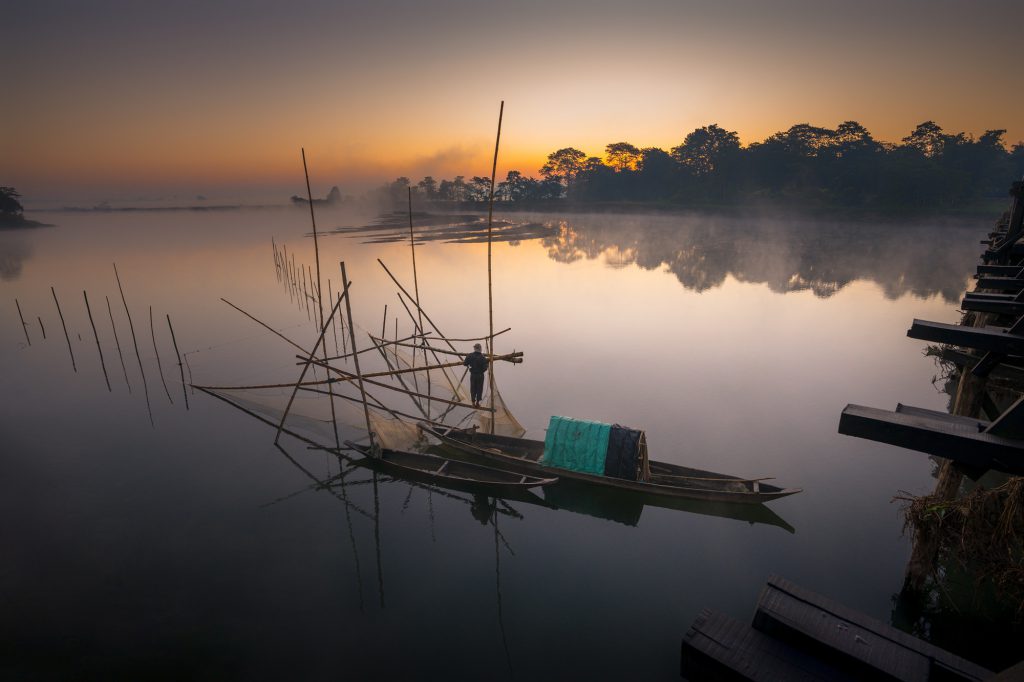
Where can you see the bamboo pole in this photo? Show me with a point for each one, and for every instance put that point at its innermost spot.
(68, 338)
(264, 325)
(97, 337)
(24, 327)
(131, 326)
(403, 290)
(41, 327)
(374, 447)
(334, 327)
(490, 297)
(408, 392)
(310, 360)
(416, 290)
(117, 342)
(180, 368)
(159, 365)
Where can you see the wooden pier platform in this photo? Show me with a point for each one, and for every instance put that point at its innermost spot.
(797, 634)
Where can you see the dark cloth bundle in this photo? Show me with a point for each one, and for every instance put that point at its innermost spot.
(623, 449)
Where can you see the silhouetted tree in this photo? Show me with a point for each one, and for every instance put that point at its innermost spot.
(704, 149)
(622, 156)
(10, 207)
(564, 165)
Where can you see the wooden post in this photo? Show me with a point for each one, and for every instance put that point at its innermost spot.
(374, 447)
(117, 342)
(180, 368)
(97, 337)
(24, 327)
(73, 366)
(490, 298)
(131, 327)
(159, 365)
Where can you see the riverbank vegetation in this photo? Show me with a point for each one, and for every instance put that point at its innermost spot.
(805, 166)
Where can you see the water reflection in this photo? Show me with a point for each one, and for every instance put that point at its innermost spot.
(15, 249)
(702, 251)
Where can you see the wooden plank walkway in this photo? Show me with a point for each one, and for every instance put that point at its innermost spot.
(942, 437)
(717, 647)
(991, 339)
(797, 616)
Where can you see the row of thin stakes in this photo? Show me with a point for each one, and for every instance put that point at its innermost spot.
(293, 276)
(117, 342)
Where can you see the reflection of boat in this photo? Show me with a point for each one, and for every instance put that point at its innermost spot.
(523, 455)
(450, 473)
(623, 506)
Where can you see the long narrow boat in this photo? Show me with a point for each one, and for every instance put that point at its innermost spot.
(522, 455)
(449, 472)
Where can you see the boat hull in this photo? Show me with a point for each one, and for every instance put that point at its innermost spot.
(522, 456)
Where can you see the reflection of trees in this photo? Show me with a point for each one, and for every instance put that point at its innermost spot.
(702, 251)
(14, 251)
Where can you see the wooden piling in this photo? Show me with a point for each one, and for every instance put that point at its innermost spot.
(159, 365)
(117, 342)
(180, 368)
(68, 338)
(490, 297)
(24, 327)
(97, 337)
(135, 342)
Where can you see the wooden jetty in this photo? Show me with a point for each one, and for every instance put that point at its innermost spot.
(797, 634)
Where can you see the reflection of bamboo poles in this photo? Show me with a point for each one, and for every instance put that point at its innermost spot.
(180, 368)
(490, 298)
(68, 338)
(118, 344)
(97, 337)
(24, 327)
(159, 365)
(145, 386)
(376, 529)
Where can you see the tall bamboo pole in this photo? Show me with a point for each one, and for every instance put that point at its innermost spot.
(490, 297)
(73, 366)
(416, 290)
(117, 342)
(180, 368)
(97, 337)
(24, 327)
(131, 326)
(374, 448)
(159, 365)
(310, 358)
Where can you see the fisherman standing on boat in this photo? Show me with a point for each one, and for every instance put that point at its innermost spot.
(477, 363)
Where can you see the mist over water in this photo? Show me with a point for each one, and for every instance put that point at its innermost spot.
(194, 546)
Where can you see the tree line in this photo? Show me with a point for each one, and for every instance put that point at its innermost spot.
(805, 165)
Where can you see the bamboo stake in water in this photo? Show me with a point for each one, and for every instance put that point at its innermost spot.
(135, 342)
(334, 327)
(118, 344)
(490, 297)
(97, 337)
(41, 327)
(159, 365)
(180, 368)
(24, 327)
(70, 352)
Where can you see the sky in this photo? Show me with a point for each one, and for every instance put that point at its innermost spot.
(109, 99)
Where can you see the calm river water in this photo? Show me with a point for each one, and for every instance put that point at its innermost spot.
(193, 548)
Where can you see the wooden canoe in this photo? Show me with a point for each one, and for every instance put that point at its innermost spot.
(522, 455)
(449, 472)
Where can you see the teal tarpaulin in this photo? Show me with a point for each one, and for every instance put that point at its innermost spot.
(576, 444)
